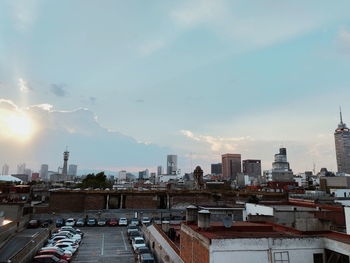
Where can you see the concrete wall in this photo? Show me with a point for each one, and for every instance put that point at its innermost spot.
(340, 192)
(255, 209)
(347, 219)
(13, 212)
(261, 250)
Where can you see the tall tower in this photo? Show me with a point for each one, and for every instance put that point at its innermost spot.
(65, 163)
(171, 164)
(342, 146)
(231, 166)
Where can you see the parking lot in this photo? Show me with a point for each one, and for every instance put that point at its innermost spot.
(104, 244)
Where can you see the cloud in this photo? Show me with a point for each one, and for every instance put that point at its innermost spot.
(59, 90)
(217, 144)
(24, 14)
(257, 25)
(91, 145)
(23, 85)
(343, 40)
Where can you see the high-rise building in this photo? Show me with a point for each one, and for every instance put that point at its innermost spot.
(342, 146)
(72, 170)
(280, 171)
(44, 172)
(159, 170)
(122, 175)
(28, 172)
(171, 164)
(252, 168)
(5, 169)
(216, 168)
(144, 174)
(231, 166)
(21, 168)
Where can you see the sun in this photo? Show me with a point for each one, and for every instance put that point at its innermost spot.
(16, 125)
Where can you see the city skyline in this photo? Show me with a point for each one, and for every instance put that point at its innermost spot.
(199, 79)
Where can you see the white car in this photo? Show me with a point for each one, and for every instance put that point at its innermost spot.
(54, 239)
(67, 246)
(146, 220)
(138, 242)
(70, 222)
(68, 235)
(73, 230)
(123, 221)
(68, 240)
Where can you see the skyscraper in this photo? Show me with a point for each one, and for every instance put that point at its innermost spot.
(72, 170)
(231, 166)
(252, 168)
(21, 168)
(342, 146)
(159, 170)
(44, 172)
(171, 164)
(280, 171)
(5, 169)
(216, 168)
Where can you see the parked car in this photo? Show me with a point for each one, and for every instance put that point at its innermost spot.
(123, 221)
(113, 222)
(70, 222)
(101, 222)
(138, 242)
(146, 258)
(91, 222)
(146, 220)
(59, 222)
(73, 230)
(157, 220)
(56, 253)
(68, 234)
(141, 250)
(66, 252)
(67, 246)
(132, 228)
(46, 223)
(133, 235)
(80, 222)
(134, 221)
(68, 240)
(48, 259)
(34, 223)
(54, 239)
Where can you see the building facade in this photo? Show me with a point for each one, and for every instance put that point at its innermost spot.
(5, 169)
(44, 172)
(252, 168)
(231, 166)
(171, 164)
(72, 170)
(342, 147)
(216, 168)
(280, 171)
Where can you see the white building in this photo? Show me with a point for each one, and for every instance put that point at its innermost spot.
(5, 169)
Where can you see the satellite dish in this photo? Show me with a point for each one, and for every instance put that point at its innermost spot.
(227, 221)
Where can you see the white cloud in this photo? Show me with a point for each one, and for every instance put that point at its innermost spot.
(24, 13)
(23, 85)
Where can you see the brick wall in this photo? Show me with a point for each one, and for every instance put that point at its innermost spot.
(192, 250)
(141, 201)
(63, 202)
(95, 202)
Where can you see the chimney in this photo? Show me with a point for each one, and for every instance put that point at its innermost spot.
(191, 214)
(204, 219)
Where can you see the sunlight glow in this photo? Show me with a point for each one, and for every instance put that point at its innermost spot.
(16, 125)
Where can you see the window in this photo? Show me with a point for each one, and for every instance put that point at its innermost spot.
(318, 258)
(281, 257)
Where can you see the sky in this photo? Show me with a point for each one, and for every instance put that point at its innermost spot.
(124, 83)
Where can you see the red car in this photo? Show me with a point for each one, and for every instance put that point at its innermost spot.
(113, 222)
(56, 253)
(48, 259)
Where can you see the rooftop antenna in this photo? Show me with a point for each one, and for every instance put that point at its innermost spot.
(341, 115)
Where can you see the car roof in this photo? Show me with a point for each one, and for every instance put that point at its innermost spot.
(138, 238)
(43, 256)
(147, 256)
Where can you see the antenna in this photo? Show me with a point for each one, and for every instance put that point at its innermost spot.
(227, 220)
(341, 115)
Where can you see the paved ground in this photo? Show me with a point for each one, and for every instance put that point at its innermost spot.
(16, 243)
(104, 245)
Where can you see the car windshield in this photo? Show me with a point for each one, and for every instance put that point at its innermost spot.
(139, 241)
(132, 227)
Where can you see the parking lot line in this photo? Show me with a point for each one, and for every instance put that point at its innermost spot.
(103, 244)
(126, 248)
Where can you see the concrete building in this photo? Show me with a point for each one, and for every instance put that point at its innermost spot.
(231, 166)
(342, 147)
(21, 168)
(44, 172)
(260, 243)
(5, 169)
(144, 174)
(280, 171)
(23, 177)
(216, 169)
(122, 175)
(252, 168)
(339, 181)
(72, 170)
(171, 164)
(159, 170)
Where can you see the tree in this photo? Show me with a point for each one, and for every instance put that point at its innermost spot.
(96, 181)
